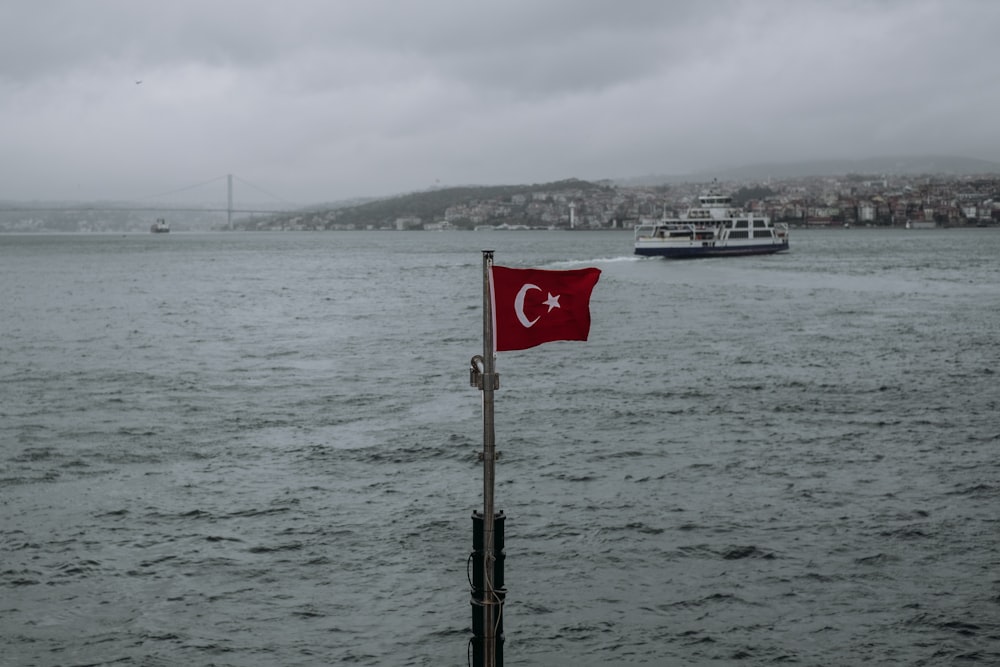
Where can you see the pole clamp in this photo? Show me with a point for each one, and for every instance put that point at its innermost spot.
(476, 374)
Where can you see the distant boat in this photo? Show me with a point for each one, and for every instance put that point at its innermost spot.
(160, 227)
(711, 229)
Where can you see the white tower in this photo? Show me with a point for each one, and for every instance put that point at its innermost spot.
(572, 215)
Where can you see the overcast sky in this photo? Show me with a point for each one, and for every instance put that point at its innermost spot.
(320, 100)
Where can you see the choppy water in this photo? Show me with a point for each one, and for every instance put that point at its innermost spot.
(259, 450)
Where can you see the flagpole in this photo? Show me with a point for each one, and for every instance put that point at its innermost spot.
(490, 609)
(506, 286)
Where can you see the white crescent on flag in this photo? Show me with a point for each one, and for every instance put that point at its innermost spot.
(519, 305)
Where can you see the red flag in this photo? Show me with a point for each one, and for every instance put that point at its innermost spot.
(535, 306)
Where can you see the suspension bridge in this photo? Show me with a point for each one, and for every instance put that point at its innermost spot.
(145, 203)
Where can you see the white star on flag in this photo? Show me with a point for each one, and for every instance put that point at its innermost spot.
(552, 302)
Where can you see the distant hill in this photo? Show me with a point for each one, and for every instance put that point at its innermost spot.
(428, 205)
(913, 165)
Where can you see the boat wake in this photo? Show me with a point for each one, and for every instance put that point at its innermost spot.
(570, 263)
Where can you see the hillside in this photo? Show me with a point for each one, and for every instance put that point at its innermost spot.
(427, 206)
(878, 166)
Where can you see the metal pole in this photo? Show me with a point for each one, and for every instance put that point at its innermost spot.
(229, 209)
(489, 464)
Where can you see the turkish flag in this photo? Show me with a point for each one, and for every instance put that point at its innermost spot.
(535, 306)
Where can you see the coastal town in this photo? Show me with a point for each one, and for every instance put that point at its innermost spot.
(851, 200)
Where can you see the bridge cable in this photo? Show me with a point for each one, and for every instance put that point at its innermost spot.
(189, 187)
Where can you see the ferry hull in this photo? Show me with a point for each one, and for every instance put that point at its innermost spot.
(692, 252)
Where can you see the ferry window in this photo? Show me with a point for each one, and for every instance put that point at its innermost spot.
(759, 223)
(741, 224)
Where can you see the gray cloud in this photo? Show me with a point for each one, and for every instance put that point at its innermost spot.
(318, 101)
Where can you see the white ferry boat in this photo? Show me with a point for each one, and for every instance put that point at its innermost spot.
(711, 229)
(160, 227)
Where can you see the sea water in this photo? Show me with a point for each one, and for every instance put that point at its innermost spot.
(261, 449)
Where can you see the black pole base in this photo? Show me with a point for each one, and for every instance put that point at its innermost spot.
(478, 582)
